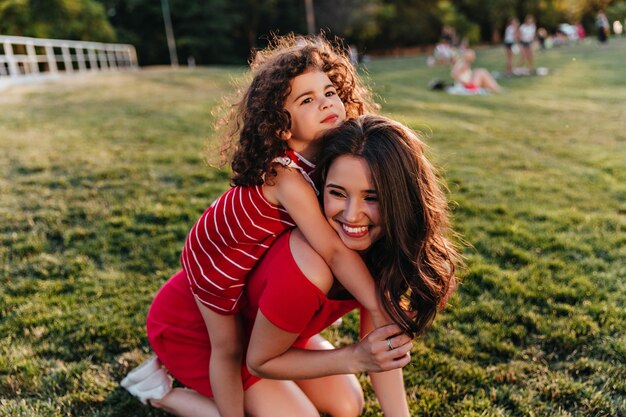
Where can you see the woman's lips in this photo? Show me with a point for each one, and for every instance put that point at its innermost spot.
(354, 231)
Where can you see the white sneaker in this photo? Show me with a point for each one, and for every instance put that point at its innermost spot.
(148, 381)
(141, 372)
(155, 387)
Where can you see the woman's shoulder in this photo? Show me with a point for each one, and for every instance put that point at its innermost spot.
(310, 263)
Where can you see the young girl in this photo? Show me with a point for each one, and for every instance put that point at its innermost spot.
(300, 88)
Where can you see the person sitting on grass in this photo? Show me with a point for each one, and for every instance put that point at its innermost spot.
(472, 79)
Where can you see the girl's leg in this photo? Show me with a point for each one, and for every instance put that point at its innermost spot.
(529, 58)
(509, 60)
(273, 398)
(522, 56)
(185, 402)
(337, 395)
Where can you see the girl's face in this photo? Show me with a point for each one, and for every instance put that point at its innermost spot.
(351, 203)
(314, 107)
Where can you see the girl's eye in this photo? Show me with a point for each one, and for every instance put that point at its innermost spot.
(371, 198)
(306, 100)
(335, 193)
(330, 93)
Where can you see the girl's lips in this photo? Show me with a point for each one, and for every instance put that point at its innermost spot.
(330, 119)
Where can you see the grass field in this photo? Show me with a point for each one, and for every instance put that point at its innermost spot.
(101, 178)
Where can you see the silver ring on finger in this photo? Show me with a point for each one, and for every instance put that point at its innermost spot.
(389, 345)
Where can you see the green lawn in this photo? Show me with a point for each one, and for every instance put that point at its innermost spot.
(101, 179)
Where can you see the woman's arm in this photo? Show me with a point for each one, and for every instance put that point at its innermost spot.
(389, 385)
(293, 192)
(458, 68)
(270, 354)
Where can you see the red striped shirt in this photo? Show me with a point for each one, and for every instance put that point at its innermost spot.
(230, 237)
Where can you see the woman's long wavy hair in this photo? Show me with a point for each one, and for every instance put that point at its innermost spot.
(414, 261)
(259, 117)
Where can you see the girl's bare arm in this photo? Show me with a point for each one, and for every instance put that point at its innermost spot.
(293, 192)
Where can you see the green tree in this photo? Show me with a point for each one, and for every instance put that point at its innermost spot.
(616, 11)
(140, 23)
(206, 30)
(465, 29)
(212, 31)
(62, 19)
(360, 22)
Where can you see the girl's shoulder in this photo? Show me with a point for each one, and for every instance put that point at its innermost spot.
(292, 159)
(291, 168)
(289, 184)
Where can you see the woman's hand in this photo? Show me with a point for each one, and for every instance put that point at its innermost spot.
(383, 349)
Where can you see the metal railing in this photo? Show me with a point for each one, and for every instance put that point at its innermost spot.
(22, 57)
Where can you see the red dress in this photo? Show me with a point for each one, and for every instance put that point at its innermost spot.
(286, 297)
(229, 238)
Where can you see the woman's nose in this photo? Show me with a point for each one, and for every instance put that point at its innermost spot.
(353, 210)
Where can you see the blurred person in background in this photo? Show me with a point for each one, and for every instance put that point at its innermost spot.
(472, 79)
(511, 38)
(602, 25)
(527, 33)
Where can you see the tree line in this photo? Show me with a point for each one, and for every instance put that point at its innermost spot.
(224, 31)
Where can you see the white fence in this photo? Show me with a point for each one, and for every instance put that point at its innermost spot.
(24, 58)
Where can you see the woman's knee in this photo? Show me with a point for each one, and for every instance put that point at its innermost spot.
(349, 406)
(480, 72)
(273, 398)
(348, 399)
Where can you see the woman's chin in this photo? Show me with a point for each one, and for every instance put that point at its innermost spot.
(356, 244)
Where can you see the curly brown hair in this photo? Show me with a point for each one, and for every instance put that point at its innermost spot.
(415, 260)
(259, 117)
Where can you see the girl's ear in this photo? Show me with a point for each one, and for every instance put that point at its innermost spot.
(285, 134)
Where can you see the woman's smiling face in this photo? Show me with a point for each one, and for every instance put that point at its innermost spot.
(351, 202)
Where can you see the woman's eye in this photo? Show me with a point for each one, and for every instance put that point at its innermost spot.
(307, 100)
(335, 193)
(371, 198)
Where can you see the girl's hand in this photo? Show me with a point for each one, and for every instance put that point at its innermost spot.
(383, 349)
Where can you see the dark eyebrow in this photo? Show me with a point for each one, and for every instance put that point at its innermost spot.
(335, 186)
(311, 92)
(339, 187)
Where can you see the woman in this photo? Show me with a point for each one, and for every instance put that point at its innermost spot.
(472, 79)
(527, 33)
(511, 37)
(381, 196)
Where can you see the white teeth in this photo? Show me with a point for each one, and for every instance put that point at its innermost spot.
(359, 229)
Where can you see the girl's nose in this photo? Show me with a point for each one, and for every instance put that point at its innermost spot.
(326, 102)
